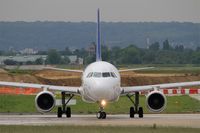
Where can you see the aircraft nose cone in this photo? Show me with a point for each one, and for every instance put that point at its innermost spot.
(103, 91)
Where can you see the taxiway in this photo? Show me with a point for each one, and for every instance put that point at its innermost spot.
(177, 120)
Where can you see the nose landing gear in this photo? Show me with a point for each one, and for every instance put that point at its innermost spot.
(101, 114)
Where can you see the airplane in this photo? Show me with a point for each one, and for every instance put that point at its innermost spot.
(101, 83)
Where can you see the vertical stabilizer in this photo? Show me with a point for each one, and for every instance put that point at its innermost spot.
(98, 41)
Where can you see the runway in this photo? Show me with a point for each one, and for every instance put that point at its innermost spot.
(178, 120)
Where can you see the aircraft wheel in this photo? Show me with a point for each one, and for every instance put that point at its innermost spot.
(68, 112)
(132, 112)
(140, 112)
(59, 112)
(103, 115)
(99, 115)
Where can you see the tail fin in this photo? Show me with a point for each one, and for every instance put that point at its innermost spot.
(98, 41)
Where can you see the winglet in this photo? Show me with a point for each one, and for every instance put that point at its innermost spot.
(98, 41)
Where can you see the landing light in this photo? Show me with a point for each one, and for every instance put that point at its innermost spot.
(103, 103)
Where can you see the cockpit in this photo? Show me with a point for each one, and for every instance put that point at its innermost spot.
(101, 74)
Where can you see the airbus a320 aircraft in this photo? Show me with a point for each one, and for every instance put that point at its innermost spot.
(100, 84)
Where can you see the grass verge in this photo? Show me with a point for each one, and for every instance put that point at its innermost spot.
(26, 104)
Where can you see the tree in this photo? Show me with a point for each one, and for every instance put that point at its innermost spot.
(166, 45)
(53, 57)
(10, 62)
(65, 60)
(154, 46)
(39, 61)
(115, 54)
(149, 57)
(105, 53)
(89, 59)
(196, 58)
(68, 51)
(29, 63)
(198, 49)
(1, 52)
(130, 55)
(179, 48)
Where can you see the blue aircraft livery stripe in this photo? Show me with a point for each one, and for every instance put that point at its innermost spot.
(98, 43)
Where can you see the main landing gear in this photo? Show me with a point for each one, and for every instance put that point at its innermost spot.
(65, 110)
(135, 109)
(101, 114)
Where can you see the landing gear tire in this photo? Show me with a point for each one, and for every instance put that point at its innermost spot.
(64, 109)
(132, 112)
(68, 112)
(135, 109)
(140, 112)
(59, 112)
(101, 115)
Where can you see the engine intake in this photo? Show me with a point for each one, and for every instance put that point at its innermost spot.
(45, 101)
(156, 101)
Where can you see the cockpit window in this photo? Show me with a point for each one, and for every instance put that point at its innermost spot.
(113, 75)
(97, 74)
(89, 75)
(106, 74)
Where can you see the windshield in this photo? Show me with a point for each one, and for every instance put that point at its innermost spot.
(103, 74)
(106, 74)
(97, 74)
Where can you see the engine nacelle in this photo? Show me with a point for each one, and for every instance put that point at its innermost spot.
(45, 101)
(156, 101)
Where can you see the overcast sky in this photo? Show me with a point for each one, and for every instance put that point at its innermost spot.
(111, 10)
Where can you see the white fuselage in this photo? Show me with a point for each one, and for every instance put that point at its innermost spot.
(100, 81)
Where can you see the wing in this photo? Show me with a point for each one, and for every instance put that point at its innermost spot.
(135, 69)
(60, 69)
(130, 89)
(69, 89)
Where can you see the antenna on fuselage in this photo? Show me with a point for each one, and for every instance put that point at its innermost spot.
(98, 40)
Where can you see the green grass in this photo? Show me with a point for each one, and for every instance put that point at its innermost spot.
(181, 70)
(95, 129)
(25, 104)
(18, 71)
(163, 68)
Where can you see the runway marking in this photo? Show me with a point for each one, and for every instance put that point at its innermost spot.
(177, 120)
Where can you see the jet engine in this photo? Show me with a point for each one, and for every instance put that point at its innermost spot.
(45, 101)
(156, 101)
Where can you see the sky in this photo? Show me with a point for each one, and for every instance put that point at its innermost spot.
(111, 10)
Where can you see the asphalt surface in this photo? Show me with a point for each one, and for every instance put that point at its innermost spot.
(177, 120)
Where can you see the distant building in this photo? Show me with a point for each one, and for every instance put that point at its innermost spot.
(28, 51)
(80, 61)
(74, 60)
(22, 59)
